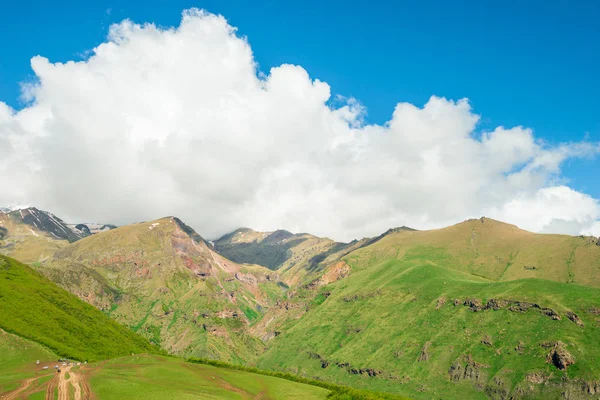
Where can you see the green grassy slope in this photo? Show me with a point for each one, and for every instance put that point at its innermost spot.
(33, 307)
(150, 377)
(412, 320)
(161, 279)
(502, 252)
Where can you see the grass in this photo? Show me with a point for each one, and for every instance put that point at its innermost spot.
(33, 307)
(154, 377)
(335, 391)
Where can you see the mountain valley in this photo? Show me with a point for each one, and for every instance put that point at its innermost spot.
(480, 308)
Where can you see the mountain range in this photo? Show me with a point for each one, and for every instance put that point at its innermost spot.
(481, 309)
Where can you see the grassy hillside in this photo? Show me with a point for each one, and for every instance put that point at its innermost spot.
(422, 317)
(163, 281)
(502, 252)
(33, 307)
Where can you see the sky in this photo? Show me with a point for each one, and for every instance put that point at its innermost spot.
(340, 119)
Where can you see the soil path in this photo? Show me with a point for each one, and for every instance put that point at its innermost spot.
(52, 384)
(81, 389)
(18, 391)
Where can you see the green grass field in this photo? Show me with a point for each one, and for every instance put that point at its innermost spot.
(154, 377)
(144, 377)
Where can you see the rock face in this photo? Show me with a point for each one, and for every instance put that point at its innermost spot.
(424, 355)
(560, 357)
(487, 340)
(515, 306)
(465, 368)
(573, 317)
(46, 222)
(338, 271)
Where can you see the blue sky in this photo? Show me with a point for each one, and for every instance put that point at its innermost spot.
(532, 63)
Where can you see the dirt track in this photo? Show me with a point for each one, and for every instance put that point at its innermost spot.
(15, 394)
(77, 380)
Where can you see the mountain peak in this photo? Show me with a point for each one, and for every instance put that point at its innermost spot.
(487, 223)
(189, 231)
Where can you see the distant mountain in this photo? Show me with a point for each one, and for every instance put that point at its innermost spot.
(33, 235)
(47, 222)
(295, 256)
(35, 308)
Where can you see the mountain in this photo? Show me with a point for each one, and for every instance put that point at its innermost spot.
(481, 309)
(501, 252)
(162, 280)
(33, 307)
(296, 257)
(32, 235)
(46, 222)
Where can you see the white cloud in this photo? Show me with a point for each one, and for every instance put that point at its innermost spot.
(179, 122)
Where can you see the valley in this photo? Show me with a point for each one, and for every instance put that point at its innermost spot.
(481, 308)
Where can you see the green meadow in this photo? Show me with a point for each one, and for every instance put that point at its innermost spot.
(155, 377)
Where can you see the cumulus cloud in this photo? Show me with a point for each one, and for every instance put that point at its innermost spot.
(179, 121)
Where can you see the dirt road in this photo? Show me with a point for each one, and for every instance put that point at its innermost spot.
(18, 392)
(61, 382)
(67, 377)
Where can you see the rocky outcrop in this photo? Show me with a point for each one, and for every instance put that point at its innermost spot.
(573, 317)
(287, 305)
(559, 356)
(594, 311)
(520, 347)
(487, 340)
(246, 278)
(593, 240)
(227, 314)
(371, 372)
(440, 303)
(361, 296)
(337, 271)
(476, 305)
(465, 368)
(536, 378)
(424, 354)
(497, 390)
